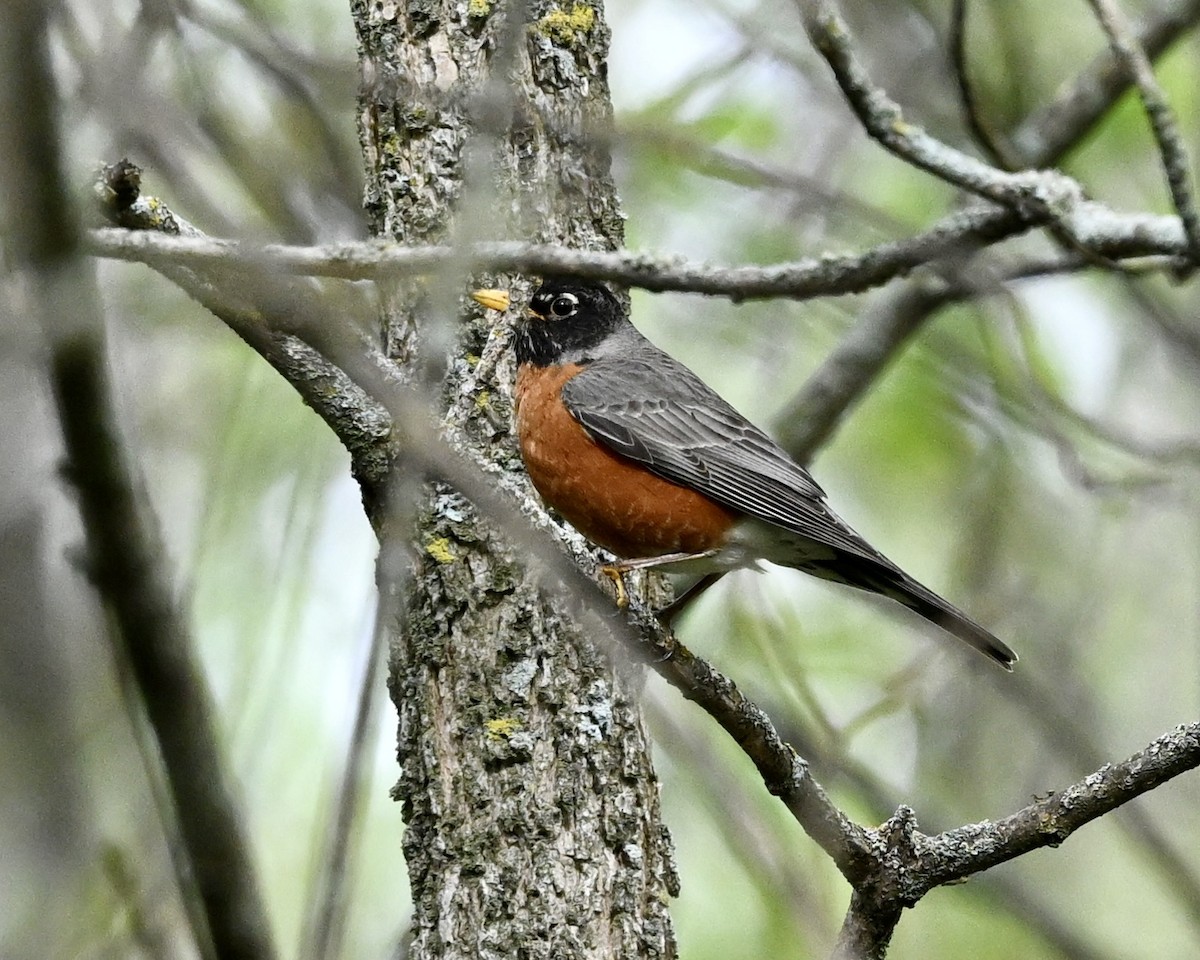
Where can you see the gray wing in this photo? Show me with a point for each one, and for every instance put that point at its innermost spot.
(652, 409)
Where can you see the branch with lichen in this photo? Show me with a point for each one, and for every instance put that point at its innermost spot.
(1102, 238)
(259, 306)
(1095, 226)
(1176, 161)
(1045, 194)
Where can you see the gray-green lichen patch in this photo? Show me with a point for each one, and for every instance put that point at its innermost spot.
(567, 27)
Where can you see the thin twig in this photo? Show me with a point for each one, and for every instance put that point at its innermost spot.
(1051, 131)
(124, 556)
(1045, 195)
(692, 152)
(333, 877)
(1094, 225)
(1177, 164)
(983, 134)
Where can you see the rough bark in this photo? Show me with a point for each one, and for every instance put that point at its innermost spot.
(531, 803)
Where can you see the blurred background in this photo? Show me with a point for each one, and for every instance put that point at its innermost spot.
(1032, 455)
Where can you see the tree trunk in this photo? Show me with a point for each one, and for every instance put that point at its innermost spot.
(532, 807)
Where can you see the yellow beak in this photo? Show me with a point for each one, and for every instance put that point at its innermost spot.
(492, 299)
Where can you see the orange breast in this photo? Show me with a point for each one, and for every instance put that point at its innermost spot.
(608, 498)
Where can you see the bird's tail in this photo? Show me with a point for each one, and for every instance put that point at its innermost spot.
(897, 585)
(947, 616)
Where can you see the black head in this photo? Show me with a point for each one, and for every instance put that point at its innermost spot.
(566, 320)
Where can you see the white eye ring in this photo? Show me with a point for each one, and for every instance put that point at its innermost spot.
(564, 305)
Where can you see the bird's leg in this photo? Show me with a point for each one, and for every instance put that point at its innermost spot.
(673, 609)
(616, 571)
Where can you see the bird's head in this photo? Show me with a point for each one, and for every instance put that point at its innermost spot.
(565, 321)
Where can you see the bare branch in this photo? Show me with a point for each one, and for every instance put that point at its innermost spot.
(223, 286)
(1044, 195)
(978, 128)
(1177, 164)
(1049, 132)
(966, 850)
(827, 275)
(1094, 225)
(811, 416)
(124, 557)
(908, 864)
(331, 894)
(783, 771)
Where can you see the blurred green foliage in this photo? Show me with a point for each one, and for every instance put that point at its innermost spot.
(1031, 455)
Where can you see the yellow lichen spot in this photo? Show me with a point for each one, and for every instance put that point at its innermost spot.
(473, 360)
(158, 212)
(484, 400)
(561, 26)
(440, 550)
(479, 8)
(502, 728)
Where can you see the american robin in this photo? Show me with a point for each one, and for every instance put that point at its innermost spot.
(646, 460)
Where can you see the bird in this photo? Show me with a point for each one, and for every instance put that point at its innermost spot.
(646, 460)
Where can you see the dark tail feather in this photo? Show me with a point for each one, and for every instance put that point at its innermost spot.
(937, 611)
(899, 586)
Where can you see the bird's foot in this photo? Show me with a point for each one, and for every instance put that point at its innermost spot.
(616, 573)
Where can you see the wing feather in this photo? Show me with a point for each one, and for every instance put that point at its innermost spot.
(648, 407)
(652, 409)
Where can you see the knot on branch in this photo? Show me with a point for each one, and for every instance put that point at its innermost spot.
(898, 830)
(118, 185)
(118, 191)
(898, 856)
(1043, 195)
(892, 878)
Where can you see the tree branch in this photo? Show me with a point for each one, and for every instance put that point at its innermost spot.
(1095, 226)
(255, 304)
(124, 558)
(966, 850)
(1177, 165)
(1050, 132)
(1043, 195)
(847, 372)
(126, 564)
(978, 128)
(908, 864)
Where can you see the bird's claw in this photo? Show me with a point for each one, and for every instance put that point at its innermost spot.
(616, 573)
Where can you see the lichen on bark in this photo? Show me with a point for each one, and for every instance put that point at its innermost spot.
(532, 806)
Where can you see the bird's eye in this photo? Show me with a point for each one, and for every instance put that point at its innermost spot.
(564, 305)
